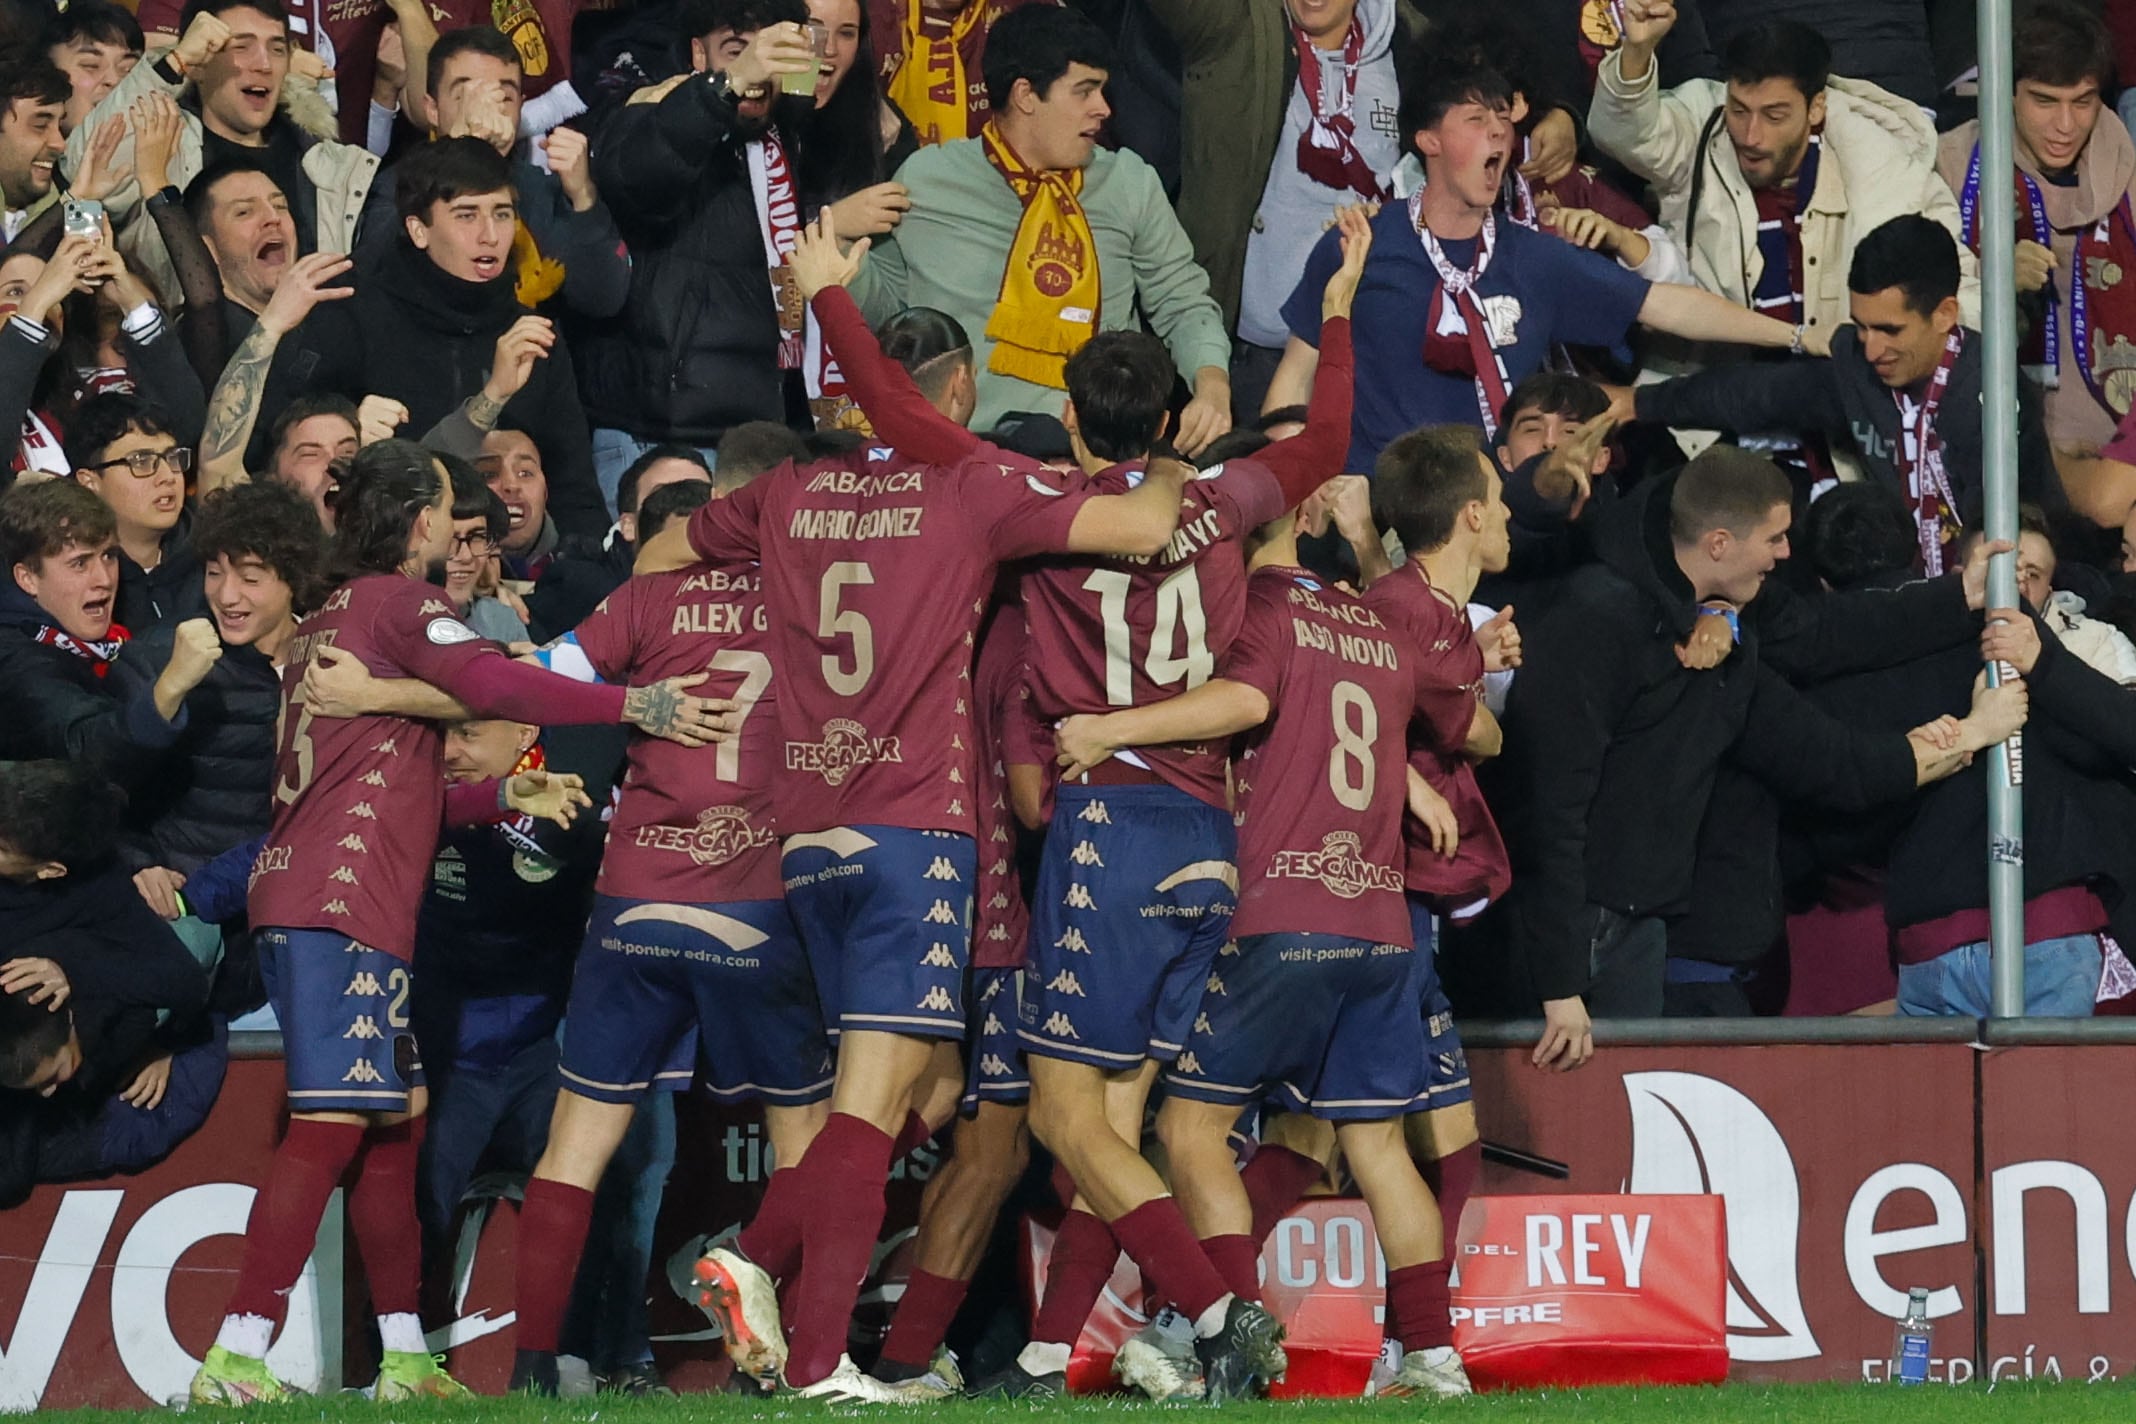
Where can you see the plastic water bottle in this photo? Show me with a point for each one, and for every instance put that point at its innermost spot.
(1910, 1341)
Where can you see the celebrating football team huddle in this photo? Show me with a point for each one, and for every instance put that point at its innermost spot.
(849, 682)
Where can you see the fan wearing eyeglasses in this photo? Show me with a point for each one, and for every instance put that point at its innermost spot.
(124, 452)
(479, 525)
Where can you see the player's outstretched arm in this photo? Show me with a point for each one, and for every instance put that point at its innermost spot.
(882, 388)
(1315, 454)
(337, 684)
(1140, 522)
(1218, 708)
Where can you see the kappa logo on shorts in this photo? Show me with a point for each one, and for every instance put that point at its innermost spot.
(362, 811)
(993, 1025)
(1339, 865)
(1201, 1024)
(334, 907)
(1072, 940)
(941, 869)
(389, 747)
(998, 902)
(940, 914)
(1229, 951)
(1188, 1063)
(938, 1000)
(1095, 814)
(364, 1027)
(992, 1066)
(1058, 1026)
(1078, 897)
(997, 934)
(344, 875)
(353, 842)
(1085, 854)
(939, 957)
(364, 982)
(1065, 982)
(361, 1071)
(845, 747)
(373, 778)
(1215, 985)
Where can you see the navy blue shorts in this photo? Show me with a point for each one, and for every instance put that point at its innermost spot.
(886, 916)
(663, 992)
(1324, 1024)
(1135, 892)
(343, 1007)
(1446, 1072)
(994, 1069)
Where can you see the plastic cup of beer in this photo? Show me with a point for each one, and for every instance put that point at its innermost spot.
(819, 43)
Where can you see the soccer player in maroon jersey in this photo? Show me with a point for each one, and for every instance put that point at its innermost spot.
(1444, 499)
(1316, 997)
(335, 895)
(1136, 881)
(877, 565)
(964, 1196)
(692, 957)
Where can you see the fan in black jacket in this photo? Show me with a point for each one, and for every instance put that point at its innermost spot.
(93, 995)
(1903, 287)
(500, 930)
(696, 347)
(262, 550)
(1612, 743)
(58, 543)
(424, 325)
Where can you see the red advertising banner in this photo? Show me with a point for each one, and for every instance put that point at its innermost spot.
(1321, 1274)
(1846, 1171)
(110, 1292)
(1592, 1290)
(1848, 1174)
(2057, 1212)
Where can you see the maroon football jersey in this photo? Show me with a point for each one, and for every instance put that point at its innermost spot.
(1001, 919)
(876, 572)
(1453, 674)
(693, 825)
(1322, 783)
(1108, 633)
(358, 800)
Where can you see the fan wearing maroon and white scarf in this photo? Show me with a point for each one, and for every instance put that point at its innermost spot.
(1497, 296)
(74, 591)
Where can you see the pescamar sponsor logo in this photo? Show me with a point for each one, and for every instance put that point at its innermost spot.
(1339, 865)
(722, 834)
(846, 746)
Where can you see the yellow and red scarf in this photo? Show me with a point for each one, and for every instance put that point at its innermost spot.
(931, 87)
(1050, 292)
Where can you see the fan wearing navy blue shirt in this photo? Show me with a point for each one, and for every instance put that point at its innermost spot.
(1457, 307)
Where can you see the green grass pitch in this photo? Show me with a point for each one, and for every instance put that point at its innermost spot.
(1731, 1404)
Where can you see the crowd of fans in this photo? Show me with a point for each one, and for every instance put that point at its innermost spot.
(1696, 279)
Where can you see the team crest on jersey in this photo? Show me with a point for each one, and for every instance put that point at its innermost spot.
(846, 746)
(1339, 865)
(534, 869)
(447, 631)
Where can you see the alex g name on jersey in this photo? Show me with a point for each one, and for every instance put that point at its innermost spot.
(719, 619)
